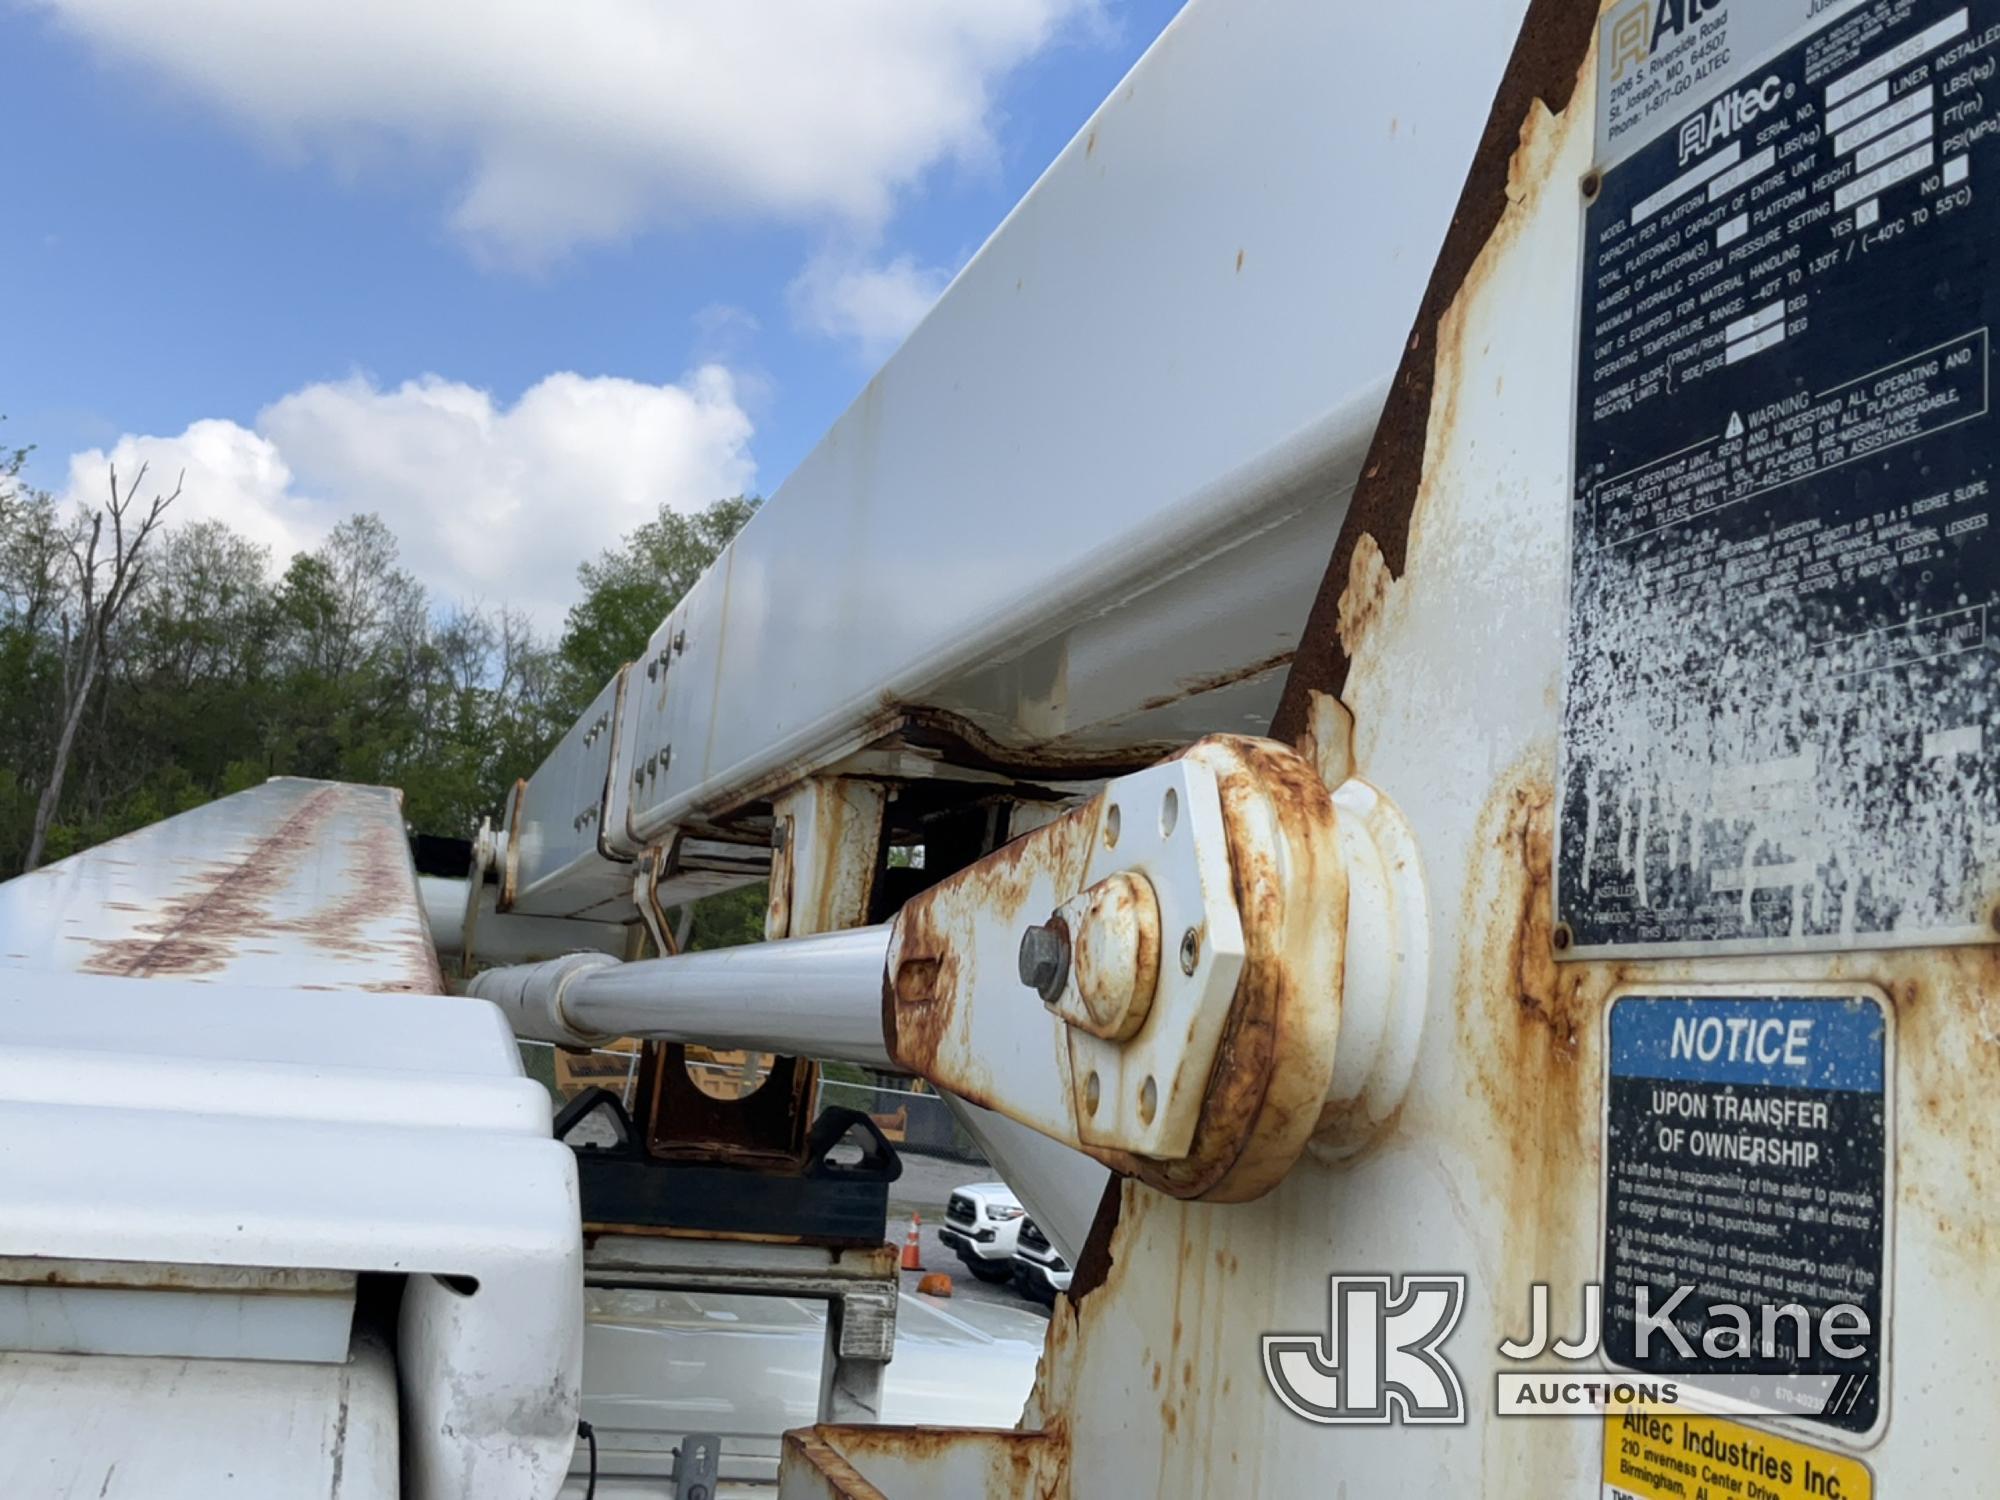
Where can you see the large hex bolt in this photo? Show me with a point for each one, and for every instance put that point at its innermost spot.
(1045, 960)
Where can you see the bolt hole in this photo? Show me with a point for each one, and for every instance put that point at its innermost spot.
(1170, 813)
(1093, 1092)
(1562, 936)
(1149, 1100)
(1190, 950)
(1593, 184)
(1111, 822)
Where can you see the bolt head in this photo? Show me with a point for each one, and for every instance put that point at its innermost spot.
(1190, 950)
(1044, 961)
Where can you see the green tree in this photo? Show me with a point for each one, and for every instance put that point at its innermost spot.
(627, 591)
(632, 587)
(215, 672)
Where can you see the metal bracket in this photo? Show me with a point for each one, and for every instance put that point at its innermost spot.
(1191, 1040)
(859, 1286)
(826, 836)
(698, 1466)
(1159, 832)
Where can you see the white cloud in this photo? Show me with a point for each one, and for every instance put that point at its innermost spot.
(490, 502)
(226, 472)
(585, 120)
(876, 306)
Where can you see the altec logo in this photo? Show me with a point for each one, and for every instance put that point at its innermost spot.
(1727, 115)
(1640, 29)
(1673, 18)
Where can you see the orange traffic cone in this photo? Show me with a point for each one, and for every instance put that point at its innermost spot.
(913, 1259)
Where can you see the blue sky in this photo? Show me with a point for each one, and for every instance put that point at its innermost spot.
(329, 258)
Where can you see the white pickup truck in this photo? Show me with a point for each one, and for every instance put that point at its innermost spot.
(981, 1223)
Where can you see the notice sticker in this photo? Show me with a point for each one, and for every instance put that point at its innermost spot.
(1668, 1456)
(1746, 1193)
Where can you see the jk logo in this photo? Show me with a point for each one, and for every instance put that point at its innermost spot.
(1379, 1362)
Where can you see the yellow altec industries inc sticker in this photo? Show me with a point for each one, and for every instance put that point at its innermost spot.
(1651, 1455)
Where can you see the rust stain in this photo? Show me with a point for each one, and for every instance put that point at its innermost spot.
(716, 818)
(1328, 741)
(1025, 1464)
(227, 904)
(808, 1449)
(1362, 602)
(918, 994)
(1528, 1052)
(963, 743)
(378, 884)
(1257, 1113)
(1167, 1261)
(1266, 1086)
(778, 905)
(1116, 955)
(953, 739)
(510, 868)
(1194, 687)
(199, 930)
(925, 987)
(1947, 1131)
(1554, 41)
(1528, 1026)
(178, 1276)
(766, 1128)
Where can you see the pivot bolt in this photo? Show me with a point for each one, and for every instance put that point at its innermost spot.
(1045, 960)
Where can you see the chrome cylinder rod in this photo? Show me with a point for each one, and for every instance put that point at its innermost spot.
(807, 997)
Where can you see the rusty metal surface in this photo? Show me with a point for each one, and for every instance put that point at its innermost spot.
(1542, 74)
(1440, 630)
(292, 884)
(826, 838)
(882, 1463)
(1489, 1167)
(1254, 1086)
(765, 1128)
(1114, 956)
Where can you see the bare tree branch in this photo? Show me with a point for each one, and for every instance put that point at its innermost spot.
(98, 611)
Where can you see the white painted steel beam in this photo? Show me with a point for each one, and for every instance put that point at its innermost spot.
(1079, 516)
